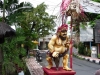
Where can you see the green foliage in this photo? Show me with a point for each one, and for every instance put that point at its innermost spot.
(0, 19)
(8, 67)
(88, 53)
(92, 23)
(75, 45)
(83, 24)
(81, 48)
(26, 31)
(14, 52)
(96, 1)
(13, 9)
(78, 57)
(44, 22)
(84, 50)
(98, 55)
(93, 16)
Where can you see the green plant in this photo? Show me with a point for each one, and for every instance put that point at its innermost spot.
(88, 52)
(78, 57)
(98, 55)
(81, 48)
(75, 45)
(13, 53)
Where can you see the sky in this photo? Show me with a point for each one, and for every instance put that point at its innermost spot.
(53, 5)
(53, 8)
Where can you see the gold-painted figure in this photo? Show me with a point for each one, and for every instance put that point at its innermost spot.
(58, 47)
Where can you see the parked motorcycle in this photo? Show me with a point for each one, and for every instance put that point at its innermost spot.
(38, 56)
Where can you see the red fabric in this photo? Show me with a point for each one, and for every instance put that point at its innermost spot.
(64, 26)
(60, 71)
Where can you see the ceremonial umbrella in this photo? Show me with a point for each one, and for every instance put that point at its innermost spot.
(5, 31)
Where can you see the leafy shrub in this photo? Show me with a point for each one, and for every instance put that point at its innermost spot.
(81, 48)
(88, 52)
(98, 55)
(75, 45)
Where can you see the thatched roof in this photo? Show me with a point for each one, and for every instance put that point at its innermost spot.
(5, 31)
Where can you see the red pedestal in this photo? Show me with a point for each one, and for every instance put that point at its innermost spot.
(60, 71)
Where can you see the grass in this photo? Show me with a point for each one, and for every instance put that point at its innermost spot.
(78, 57)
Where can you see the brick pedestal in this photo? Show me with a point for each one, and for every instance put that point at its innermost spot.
(60, 71)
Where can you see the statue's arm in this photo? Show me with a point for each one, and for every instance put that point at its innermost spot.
(68, 43)
(51, 43)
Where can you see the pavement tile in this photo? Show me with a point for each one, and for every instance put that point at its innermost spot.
(33, 66)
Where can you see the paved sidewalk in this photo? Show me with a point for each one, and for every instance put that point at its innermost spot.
(94, 60)
(91, 59)
(34, 67)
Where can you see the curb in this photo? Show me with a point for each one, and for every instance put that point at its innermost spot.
(89, 59)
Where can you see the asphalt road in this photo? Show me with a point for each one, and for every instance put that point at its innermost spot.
(82, 67)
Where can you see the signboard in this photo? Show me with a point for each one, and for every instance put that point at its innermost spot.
(97, 32)
(86, 34)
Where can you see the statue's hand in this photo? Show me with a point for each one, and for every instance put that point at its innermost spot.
(55, 54)
(51, 51)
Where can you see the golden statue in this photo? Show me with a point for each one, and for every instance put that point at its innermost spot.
(58, 47)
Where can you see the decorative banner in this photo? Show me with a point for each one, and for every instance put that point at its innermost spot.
(70, 5)
(83, 5)
(71, 8)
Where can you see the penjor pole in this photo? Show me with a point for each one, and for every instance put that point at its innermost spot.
(71, 48)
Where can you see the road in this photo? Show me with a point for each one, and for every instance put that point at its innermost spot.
(82, 67)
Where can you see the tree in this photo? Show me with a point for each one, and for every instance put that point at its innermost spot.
(12, 6)
(43, 22)
(96, 0)
(37, 22)
(93, 16)
(30, 23)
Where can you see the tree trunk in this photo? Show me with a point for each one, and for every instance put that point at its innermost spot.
(1, 60)
(44, 43)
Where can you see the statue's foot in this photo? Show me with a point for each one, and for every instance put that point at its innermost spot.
(67, 68)
(48, 67)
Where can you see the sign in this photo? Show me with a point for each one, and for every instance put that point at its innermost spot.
(86, 34)
(97, 32)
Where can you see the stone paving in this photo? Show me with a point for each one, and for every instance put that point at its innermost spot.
(34, 67)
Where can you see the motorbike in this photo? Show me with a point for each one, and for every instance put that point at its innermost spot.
(38, 56)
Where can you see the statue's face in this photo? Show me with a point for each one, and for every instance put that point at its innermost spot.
(73, 4)
(63, 33)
